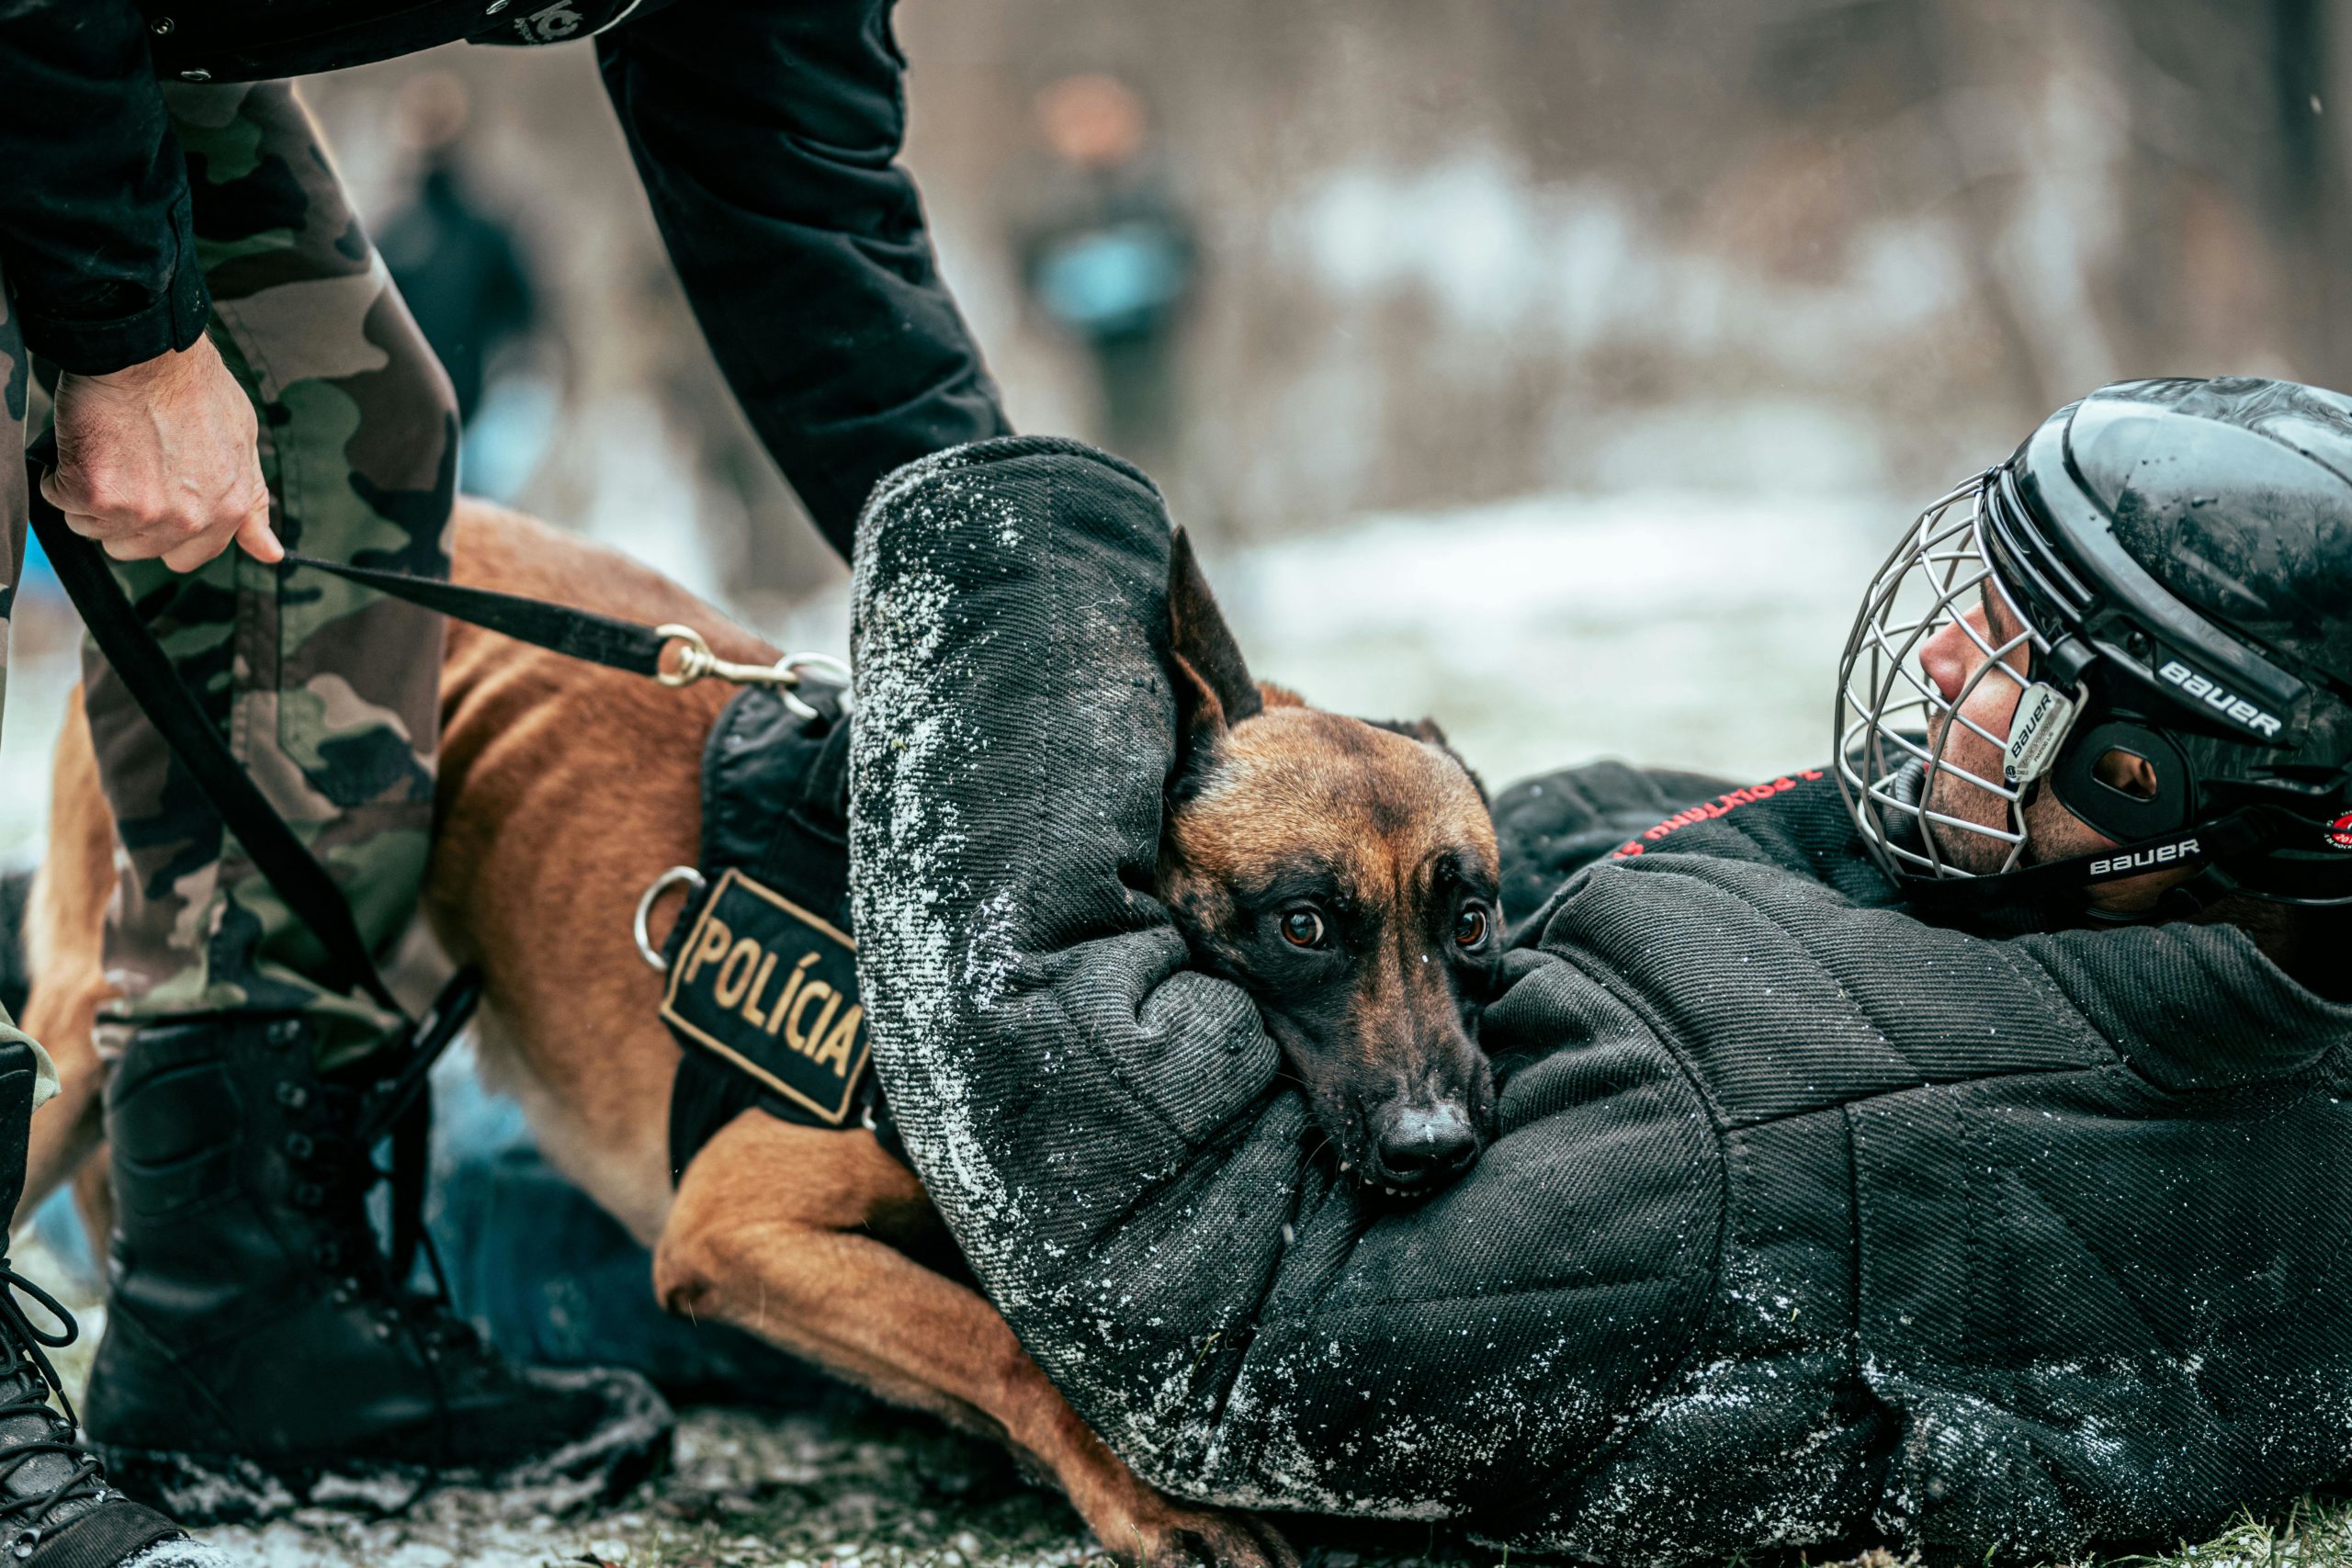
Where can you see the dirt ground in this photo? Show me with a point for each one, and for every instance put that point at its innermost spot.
(844, 1485)
(852, 1485)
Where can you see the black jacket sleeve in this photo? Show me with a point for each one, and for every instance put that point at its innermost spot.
(94, 237)
(766, 135)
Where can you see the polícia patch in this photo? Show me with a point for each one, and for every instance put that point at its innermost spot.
(772, 988)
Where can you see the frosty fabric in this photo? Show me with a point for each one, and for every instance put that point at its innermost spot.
(1809, 1222)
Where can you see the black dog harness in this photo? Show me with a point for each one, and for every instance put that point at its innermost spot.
(761, 986)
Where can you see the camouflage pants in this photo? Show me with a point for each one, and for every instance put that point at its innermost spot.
(328, 693)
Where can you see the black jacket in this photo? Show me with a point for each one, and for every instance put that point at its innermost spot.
(1809, 1222)
(765, 132)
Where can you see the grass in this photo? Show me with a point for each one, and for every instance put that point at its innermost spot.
(2313, 1534)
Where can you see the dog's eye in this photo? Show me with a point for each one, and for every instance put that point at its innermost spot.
(1302, 927)
(1470, 927)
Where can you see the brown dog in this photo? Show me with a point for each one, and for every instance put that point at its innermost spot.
(1344, 872)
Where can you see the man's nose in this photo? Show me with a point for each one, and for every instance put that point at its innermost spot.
(1951, 655)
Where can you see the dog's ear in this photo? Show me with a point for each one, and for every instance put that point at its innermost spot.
(1214, 689)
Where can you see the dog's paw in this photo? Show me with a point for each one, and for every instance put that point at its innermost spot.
(1164, 1533)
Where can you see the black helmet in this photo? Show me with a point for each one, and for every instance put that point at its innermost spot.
(2177, 556)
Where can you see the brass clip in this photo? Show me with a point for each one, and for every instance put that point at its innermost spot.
(695, 661)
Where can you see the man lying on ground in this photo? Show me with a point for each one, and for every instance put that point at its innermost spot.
(1943, 1145)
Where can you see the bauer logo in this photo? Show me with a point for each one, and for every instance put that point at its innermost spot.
(2144, 859)
(2041, 721)
(2339, 832)
(772, 988)
(2220, 698)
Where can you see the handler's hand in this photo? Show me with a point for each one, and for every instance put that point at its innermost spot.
(158, 459)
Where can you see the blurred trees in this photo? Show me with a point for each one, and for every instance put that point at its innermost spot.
(1458, 249)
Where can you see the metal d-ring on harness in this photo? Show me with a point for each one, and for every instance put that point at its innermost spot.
(399, 1106)
(695, 661)
(642, 927)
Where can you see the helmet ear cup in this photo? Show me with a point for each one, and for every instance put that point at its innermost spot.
(2125, 780)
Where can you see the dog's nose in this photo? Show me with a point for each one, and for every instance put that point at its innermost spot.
(1424, 1145)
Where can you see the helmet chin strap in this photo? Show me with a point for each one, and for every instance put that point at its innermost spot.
(2213, 847)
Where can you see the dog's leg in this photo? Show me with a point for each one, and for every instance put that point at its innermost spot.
(65, 936)
(774, 1230)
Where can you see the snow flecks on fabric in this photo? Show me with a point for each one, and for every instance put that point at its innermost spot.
(905, 913)
(991, 956)
(1803, 1477)
(1402, 1464)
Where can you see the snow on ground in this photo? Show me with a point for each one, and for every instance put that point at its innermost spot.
(1689, 629)
(835, 1487)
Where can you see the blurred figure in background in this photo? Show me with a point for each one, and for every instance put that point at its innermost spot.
(1107, 253)
(461, 269)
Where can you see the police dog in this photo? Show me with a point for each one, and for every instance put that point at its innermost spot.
(1344, 872)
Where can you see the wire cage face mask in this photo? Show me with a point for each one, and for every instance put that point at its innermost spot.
(1937, 781)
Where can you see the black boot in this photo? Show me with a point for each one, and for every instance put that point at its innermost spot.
(258, 1355)
(56, 1509)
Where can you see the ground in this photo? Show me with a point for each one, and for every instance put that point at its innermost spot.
(840, 1486)
(843, 1488)
(840, 1482)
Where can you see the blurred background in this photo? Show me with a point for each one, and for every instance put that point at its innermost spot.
(1556, 367)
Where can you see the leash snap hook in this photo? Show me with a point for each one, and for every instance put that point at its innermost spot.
(673, 877)
(695, 661)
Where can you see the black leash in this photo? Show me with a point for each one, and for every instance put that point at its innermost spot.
(559, 628)
(578, 634)
(122, 635)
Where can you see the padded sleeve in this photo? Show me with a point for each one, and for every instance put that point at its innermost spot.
(1101, 1125)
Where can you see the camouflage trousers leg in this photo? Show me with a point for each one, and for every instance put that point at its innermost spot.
(15, 380)
(327, 692)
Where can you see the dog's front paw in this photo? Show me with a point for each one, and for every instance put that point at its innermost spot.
(1164, 1533)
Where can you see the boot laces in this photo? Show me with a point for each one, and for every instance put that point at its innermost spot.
(34, 1379)
(340, 1170)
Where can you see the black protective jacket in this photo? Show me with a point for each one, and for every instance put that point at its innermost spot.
(1808, 1223)
(765, 132)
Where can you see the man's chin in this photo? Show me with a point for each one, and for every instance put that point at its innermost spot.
(1977, 853)
(1965, 851)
